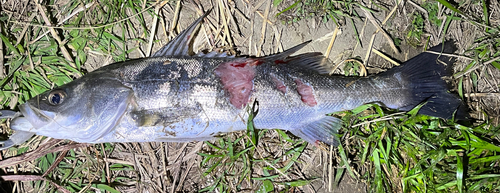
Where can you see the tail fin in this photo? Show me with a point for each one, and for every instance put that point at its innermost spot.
(424, 74)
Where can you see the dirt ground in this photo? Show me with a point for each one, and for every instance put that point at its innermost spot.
(175, 167)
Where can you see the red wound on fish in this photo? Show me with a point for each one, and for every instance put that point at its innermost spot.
(280, 85)
(237, 79)
(306, 93)
(256, 62)
(248, 62)
(238, 65)
(279, 62)
(317, 143)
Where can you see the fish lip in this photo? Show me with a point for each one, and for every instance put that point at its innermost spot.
(36, 117)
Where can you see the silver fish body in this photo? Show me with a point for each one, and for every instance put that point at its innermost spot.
(174, 96)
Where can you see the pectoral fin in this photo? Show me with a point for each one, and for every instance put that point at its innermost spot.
(163, 116)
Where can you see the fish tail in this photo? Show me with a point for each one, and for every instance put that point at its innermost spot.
(424, 74)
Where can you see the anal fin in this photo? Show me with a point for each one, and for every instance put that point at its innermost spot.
(324, 130)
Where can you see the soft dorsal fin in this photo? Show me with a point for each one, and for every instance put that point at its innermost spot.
(179, 46)
(314, 61)
(283, 55)
(214, 54)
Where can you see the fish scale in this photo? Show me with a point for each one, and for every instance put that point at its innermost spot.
(177, 97)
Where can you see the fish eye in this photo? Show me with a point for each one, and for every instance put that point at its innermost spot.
(56, 97)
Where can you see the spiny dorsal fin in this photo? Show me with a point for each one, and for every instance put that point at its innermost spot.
(179, 46)
(314, 61)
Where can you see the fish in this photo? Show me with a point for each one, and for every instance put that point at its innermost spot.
(179, 96)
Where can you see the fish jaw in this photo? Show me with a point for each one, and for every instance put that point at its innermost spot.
(38, 118)
(50, 124)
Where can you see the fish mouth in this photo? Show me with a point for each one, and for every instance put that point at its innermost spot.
(36, 117)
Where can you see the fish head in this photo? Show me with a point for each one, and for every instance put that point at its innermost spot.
(83, 110)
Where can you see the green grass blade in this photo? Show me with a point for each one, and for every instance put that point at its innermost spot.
(9, 45)
(345, 161)
(267, 186)
(460, 173)
(288, 8)
(449, 6)
(378, 172)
